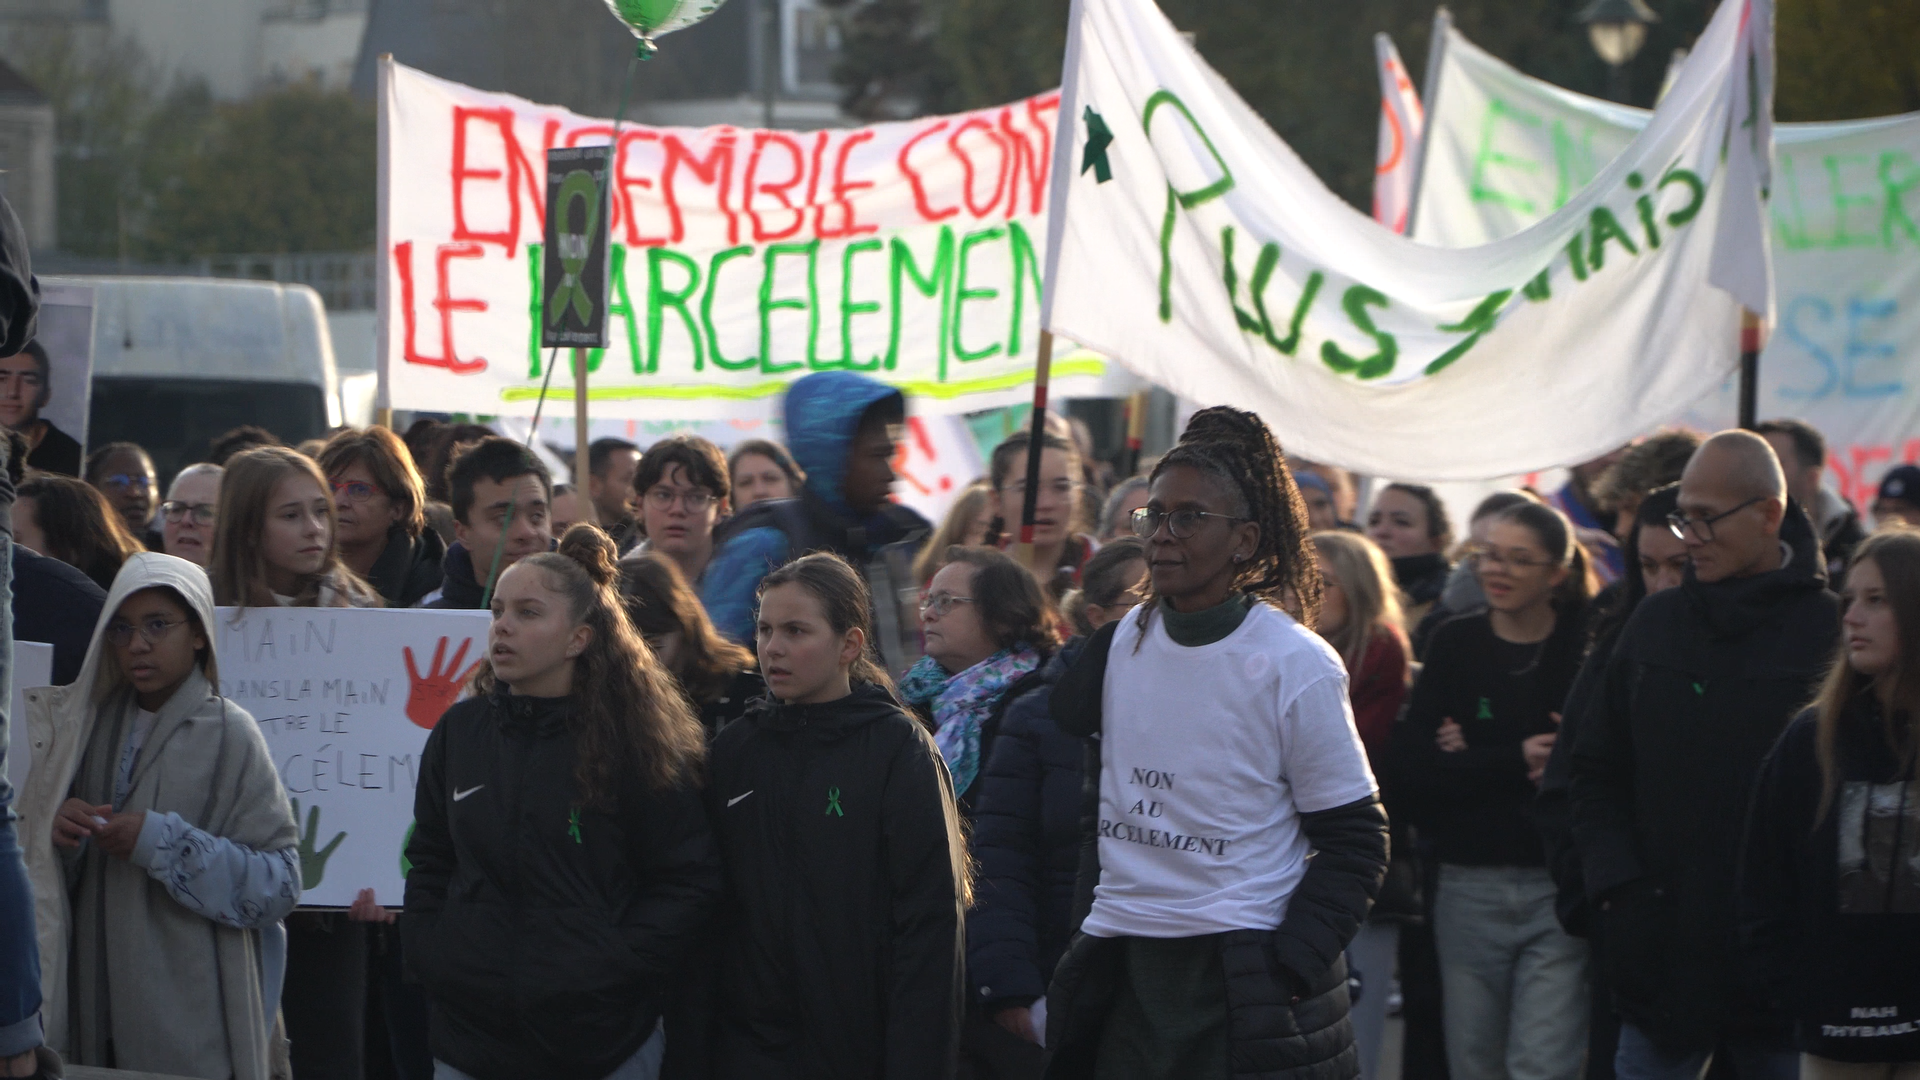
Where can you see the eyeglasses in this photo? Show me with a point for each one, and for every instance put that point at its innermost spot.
(1680, 524)
(941, 603)
(1488, 555)
(1181, 523)
(126, 480)
(352, 491)
(694, 499)
(151, 631)
(178, 512)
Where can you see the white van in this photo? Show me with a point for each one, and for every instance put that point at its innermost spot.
(178, 361)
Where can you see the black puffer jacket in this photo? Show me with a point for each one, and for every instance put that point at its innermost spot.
(1703, 681)
(1026, 846)
(841, 942)
(1286, 988)
(408, 567)
(547, 937)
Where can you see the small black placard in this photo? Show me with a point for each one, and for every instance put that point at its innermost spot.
(574, 271)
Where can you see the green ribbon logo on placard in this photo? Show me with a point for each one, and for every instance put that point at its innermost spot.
(574, 247)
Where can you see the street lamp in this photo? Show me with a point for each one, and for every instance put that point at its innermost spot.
(1617, 29)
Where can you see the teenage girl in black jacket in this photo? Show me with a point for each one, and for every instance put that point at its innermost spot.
(1829, 899)
(562, 862)
(841, 948)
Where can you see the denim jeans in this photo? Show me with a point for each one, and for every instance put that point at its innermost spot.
(1514, 983)
(1372, 954)
(643, 1065)
(1640, 1059)
(19, 943)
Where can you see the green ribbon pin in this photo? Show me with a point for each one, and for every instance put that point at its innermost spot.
(574, 247)
(1486, 710)
(573, 826)
(1094, 157)
(833, 803)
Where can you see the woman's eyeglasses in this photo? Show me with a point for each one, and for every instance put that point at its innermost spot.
(151, 631)
(941, 603)
(352, 491)
(177, 512)
(1181, 523)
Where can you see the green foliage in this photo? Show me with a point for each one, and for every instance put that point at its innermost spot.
(1844, 59)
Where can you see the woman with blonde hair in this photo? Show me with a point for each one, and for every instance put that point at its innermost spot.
(965, 525)
(277, 536)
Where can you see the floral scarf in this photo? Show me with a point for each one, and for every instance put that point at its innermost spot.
(961, 703)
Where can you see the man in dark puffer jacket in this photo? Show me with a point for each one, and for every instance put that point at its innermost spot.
(1703, 680)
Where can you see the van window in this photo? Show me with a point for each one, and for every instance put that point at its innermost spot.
(175, 419)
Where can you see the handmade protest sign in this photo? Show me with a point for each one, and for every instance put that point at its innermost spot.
(1213, 262)
(1506, 150)
(575, 269)
(346, 697)
(740, 260)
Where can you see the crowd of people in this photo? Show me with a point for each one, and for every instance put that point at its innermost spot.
(766, 776)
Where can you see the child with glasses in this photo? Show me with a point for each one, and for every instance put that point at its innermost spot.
(163, 950)
(682, 485)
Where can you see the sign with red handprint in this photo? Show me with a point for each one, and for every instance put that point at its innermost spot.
(346, 698)
(439, 687)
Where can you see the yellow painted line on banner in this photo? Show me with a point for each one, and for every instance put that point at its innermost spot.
(773, 387)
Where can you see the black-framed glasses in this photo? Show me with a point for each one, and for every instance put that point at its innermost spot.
(941, 603)
(177, 512)
(1181, 523)
(352, 491)
(694, 499)
(151, 631)
(1488, 555)
(1680, 524)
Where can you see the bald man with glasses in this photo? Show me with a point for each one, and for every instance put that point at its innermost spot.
(1704, 679)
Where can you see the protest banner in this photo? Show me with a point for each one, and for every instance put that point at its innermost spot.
(32, 666)
(1190, 243)
(1506, 150)
(346, 697)
(741, 259)
(1397, 151)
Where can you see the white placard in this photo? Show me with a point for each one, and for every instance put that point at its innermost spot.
(346, 698)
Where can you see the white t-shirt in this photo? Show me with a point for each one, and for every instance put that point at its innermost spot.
(1208, 755)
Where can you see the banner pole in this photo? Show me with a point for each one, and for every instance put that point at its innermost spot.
(1429, 103)
(382, 256)
(580, 439)
(1042, 371)
(1136, 431)
(1751, 333)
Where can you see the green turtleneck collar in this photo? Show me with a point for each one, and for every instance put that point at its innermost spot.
(1196, 628)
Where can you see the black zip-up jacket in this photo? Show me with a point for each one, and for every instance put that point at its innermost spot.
(408, 567)
(546, 936)
(1702, 682)
(841, 947)
(1832, 928)
(1476, 804)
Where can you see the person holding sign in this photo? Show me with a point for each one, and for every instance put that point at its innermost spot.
(178, 842)
(842, 945)
(562, 861)
(1228, 754)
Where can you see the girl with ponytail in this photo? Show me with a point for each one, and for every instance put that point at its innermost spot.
(840, 946)
(562, 865)
(1227, 752)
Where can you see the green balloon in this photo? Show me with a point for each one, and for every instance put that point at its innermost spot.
(648, 19)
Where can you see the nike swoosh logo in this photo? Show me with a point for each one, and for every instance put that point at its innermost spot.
(737, 798)
(458, 795)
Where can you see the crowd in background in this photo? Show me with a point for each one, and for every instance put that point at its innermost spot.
(771, 777)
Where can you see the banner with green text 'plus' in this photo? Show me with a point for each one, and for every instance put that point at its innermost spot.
(1196, 248)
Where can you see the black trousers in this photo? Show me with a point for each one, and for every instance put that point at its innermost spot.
(325, 996)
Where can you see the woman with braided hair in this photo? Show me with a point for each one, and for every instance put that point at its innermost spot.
(1227, 752)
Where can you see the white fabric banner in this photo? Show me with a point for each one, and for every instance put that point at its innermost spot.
(1398, 151)
(1215, 263)
(1505, 150)
(741, 259)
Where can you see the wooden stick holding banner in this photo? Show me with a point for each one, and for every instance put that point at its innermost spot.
(580, 444)
(1042, 370)
(1752, 337)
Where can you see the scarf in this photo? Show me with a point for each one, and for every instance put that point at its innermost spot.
(961, 703)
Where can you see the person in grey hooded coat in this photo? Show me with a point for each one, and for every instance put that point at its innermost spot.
(163, 850)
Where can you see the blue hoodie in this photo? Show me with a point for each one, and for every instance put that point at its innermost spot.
(823, 412)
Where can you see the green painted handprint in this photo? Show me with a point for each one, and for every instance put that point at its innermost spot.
(313, 864)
